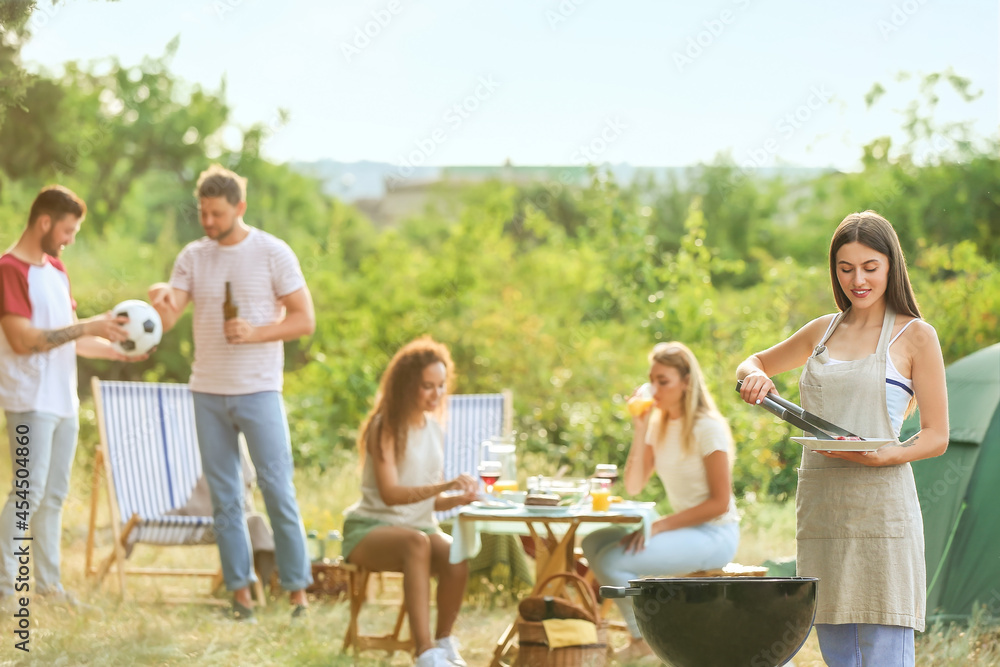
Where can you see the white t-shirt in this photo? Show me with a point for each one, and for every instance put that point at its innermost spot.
(684, 477)
(422, 464)
(261, 269)
(44, 381)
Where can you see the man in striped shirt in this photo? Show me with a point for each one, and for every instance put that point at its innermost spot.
(236, 378)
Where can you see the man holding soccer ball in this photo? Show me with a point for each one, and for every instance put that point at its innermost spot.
(39, 342)
(249, 296)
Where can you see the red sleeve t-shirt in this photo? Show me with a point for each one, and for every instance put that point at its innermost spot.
(44, 381)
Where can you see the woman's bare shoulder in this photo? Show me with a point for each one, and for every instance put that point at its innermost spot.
(812, 332)
(918, 334)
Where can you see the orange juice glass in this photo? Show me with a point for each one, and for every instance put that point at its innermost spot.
(600, 494)
(502, 485)
(642, 401)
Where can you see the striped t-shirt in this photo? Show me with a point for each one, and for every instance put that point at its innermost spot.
(261, 269)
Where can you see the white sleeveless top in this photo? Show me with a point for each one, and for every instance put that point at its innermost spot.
(422, 464)
(898, 389)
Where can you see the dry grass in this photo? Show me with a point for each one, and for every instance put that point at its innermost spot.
(144, 631)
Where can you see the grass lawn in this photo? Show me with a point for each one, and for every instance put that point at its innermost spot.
(144, 631)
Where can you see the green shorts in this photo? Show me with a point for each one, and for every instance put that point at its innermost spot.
(356, 527)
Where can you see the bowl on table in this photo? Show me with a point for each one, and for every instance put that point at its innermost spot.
(698, 621)
(571, 490)
(514, 496)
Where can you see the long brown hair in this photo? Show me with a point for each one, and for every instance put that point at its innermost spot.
(396, 400)
(697, 400)
(871, 229)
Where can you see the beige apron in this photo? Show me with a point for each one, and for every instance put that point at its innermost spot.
(859, 528)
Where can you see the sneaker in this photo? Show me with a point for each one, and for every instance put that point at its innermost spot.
(450, 647)
(299, 612)
(242, 613)
(433, 657)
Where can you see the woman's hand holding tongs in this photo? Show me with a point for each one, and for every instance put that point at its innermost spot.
(756, 386)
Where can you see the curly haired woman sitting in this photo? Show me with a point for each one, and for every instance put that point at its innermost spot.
(392, 528)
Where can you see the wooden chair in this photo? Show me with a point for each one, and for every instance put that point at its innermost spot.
(357, 594)
(149, 460)
(472, 418)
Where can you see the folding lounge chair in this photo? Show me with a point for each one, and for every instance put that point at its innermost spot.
(148, 456)
(472, 418)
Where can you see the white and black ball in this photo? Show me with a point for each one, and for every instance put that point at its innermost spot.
(144, 327)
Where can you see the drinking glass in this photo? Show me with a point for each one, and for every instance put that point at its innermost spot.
(600, 493)
(607, 471)
(642, 401)
(489, 472)
(313, 546)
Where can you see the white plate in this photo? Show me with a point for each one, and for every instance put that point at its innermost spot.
(818, 444)
(492, 505)
(550, 511)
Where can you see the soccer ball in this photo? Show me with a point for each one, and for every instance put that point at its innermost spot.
(144, 327)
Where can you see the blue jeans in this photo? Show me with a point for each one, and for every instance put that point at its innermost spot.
(865, 645)
(671, 552)
(51, 447)
(261, 418)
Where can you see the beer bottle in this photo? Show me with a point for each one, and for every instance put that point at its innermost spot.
(229, 309)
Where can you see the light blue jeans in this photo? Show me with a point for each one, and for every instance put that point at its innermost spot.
(672, 552)
(865, 645)
(261, 418)
(51, 447)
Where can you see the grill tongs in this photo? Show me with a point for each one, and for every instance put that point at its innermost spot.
(799, 418)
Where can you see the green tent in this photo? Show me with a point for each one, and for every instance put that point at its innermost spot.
(958, 494)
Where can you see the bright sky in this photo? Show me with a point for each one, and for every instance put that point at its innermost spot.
(451, 82)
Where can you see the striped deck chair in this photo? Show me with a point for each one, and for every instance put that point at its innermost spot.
(472, 418)
(148, 455)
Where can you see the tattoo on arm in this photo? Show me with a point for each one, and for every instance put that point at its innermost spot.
(57, 337)
(912, 441)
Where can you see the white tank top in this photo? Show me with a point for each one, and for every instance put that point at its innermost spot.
(422, 464)
(898, 389)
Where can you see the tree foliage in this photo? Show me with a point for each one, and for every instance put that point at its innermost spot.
(555, 291)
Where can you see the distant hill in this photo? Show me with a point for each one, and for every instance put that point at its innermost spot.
(365, 180)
